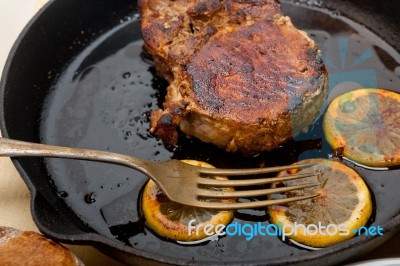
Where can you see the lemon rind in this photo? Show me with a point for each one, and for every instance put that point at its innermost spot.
(178, 232)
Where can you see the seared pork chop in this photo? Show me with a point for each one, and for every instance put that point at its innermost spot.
(241, 75)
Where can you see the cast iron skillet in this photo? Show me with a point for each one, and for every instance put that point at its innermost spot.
(59, 86)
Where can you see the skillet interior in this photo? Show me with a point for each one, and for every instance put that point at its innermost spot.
(37, 63)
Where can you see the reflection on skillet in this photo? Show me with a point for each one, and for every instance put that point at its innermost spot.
(103, 100)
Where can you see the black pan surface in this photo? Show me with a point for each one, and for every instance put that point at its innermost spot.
(77, 77)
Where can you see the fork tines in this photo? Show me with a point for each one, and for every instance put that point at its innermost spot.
(204, 193)
(251, 204)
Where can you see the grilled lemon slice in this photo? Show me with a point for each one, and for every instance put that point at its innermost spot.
(344, 205)
(171, 220)
(364, 125)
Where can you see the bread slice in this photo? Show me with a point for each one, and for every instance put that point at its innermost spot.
(20, 248)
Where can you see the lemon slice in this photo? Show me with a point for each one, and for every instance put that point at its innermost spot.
(344, 205)
(181, 222)
(364, 125)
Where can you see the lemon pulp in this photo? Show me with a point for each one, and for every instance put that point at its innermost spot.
(344, 205)
(364, 125)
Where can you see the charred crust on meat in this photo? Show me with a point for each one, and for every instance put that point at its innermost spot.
(164, 126)
(166, 120)
(205, 8)
(241, 75)
(223, 76)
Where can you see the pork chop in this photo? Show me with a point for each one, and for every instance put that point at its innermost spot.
(241, 75)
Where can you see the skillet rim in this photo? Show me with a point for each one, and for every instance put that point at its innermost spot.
(391, 227)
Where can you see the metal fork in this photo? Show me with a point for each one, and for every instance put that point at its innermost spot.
(181, 182)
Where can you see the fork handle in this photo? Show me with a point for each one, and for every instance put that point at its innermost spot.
(17, 148)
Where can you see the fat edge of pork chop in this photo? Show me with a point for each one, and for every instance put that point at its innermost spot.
(250, 87)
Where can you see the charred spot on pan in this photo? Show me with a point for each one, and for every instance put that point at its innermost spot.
(90, 198)
(126, 231)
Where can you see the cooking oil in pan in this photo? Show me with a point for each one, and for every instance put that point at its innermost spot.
(103, 101)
